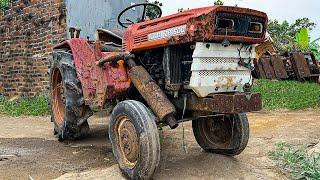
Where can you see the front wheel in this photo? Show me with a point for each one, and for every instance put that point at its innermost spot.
(135, 140)
(228, 134)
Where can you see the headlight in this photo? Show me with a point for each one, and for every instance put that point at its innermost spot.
(225, 23)
(255, 27)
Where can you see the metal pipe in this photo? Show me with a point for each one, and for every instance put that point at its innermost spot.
(120, 56)
(153, 94)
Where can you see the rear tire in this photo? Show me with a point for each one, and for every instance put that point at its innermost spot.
(228, 134)
(135, 140)
(69, 113)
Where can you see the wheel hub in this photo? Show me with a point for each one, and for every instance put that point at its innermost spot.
(58, 98)
(127, 141)
(219, 130)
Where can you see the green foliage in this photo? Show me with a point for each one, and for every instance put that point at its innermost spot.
(296, 162)
(4, 4)
(302, 39)
(283, 34)
(37, 106)
(151, 12)
(288, 94)
(218, 2)
(315, 48)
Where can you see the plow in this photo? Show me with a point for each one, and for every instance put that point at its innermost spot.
(294, 66)
(192, 66)
(300, 65)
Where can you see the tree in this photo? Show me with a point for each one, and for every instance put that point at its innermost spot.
(218, 3)
(283, 34)
(4, 4)
(152, 12)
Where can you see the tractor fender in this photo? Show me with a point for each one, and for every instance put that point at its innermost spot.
(98, 83)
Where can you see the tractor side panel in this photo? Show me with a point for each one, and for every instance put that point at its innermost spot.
(98, 83)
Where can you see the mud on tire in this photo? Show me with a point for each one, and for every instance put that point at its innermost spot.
(228, 134)
(69, 113)
(135, 140)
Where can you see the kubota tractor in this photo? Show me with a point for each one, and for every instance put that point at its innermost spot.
(195, 65)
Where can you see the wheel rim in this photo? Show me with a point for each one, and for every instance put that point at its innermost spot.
(127, 141)
(58, 99)
(219, 131)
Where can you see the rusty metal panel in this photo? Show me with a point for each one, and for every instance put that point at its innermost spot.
(267, 67)
(98, 84)
(223, 103)
(300, 66)
(278, 66)
(90, 15)
(259, 69)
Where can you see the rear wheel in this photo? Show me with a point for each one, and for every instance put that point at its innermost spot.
(228, 134)
(69, 113)
(135, 140)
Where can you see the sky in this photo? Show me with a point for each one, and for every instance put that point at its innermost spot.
(281, 10)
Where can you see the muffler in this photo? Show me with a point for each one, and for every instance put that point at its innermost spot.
(152, 94)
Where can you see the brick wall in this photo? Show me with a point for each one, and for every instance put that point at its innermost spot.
(28, 31)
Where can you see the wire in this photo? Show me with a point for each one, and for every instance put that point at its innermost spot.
(184, 145)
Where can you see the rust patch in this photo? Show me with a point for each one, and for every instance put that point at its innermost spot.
(223, 103)
(300, 66)
(267, 67)
(279, 68)
(152, 93)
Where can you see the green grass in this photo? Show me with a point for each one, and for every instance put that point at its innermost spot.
(276, 95)
(37, 106)
(295, 162)
(288, 94)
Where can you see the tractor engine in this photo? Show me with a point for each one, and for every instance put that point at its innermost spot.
(204, 68)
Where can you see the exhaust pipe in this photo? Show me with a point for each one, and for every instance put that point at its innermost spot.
(153, 94)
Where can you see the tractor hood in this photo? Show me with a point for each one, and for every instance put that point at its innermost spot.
(209, 24)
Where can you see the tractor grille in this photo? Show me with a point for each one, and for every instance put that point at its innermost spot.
(223, 73)
(140, 39)
(218, 60)
(241, 23)
(124, 45)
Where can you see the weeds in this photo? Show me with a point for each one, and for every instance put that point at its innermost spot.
(37, 106)
(288, 94)
(295, 161)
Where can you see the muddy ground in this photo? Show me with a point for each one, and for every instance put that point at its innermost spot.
(28, 150)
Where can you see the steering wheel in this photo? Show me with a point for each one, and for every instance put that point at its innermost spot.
(146, 7)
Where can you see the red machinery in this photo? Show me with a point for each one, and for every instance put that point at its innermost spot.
(195, 65)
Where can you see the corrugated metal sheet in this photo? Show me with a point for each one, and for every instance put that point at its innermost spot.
(88, 15)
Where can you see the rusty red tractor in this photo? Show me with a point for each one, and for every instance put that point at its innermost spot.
(195, 65)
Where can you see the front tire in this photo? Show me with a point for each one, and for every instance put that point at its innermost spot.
(135, 140)
(228, 134)
(69, 113)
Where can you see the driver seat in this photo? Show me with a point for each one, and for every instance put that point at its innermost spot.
(110, 38)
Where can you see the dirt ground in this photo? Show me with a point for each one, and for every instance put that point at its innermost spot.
(28, 150)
